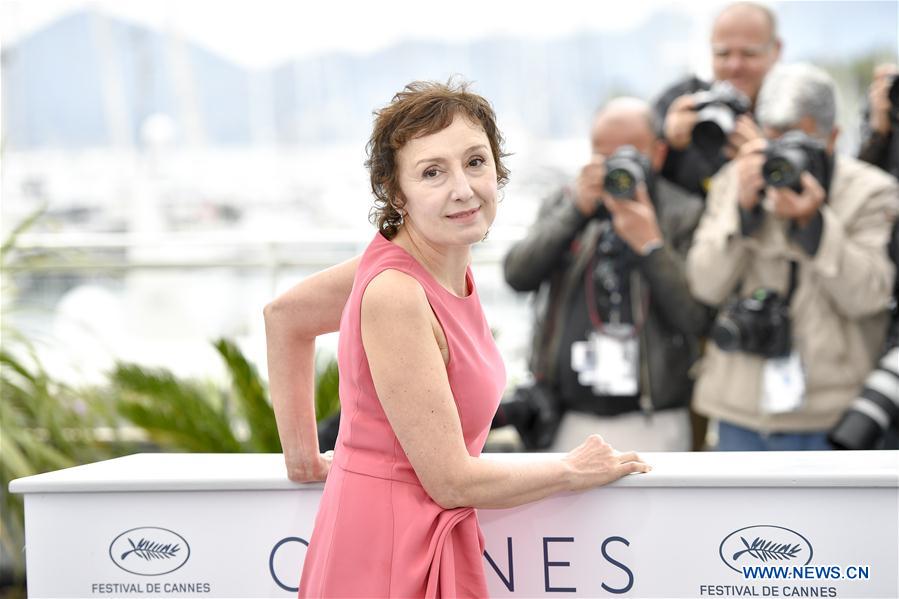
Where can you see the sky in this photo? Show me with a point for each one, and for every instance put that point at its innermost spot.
(260, 33)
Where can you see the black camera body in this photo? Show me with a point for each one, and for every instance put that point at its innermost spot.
(717, 112)
(625, 169)
(533, 412)
(758, 324)
(787, 157)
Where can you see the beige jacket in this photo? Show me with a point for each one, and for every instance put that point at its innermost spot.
(838, 309)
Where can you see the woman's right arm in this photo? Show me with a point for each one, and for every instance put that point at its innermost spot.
(411, 382)
(292, 322)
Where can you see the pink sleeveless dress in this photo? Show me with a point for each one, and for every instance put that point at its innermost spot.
(377, 532)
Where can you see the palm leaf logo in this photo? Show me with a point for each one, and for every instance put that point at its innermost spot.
(148, 550)
(767, 550)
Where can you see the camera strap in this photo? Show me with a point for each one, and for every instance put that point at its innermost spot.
(608, 361)
(791, 285)
(783, 378)
(590, 300)
(794, 280)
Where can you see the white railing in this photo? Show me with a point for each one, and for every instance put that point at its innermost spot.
(66, 252)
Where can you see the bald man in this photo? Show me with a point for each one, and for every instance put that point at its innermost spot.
(744, 46)
(616, 329)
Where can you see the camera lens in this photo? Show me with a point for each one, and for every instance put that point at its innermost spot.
(726, 334)
(786, 159)
(621, 183)
(855, 430)
(625, 169)
(779, 171)
(875, 411)
(714, 123)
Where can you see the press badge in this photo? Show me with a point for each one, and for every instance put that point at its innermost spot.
(609, 361)
(783, 382)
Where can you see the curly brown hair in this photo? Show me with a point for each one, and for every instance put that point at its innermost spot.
(421, 108)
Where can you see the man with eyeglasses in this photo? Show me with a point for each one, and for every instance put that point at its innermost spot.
(744, 46)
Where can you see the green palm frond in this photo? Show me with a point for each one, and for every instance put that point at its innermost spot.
(10, 242)
(8, 360)
(251, 398)
(327, 385)
(175, 414)
(44, 426)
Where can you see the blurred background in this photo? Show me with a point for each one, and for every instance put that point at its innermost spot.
(166, 168)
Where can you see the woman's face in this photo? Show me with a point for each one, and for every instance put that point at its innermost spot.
(448, 182)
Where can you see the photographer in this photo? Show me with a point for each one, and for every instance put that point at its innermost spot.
(880, 141)
(799, 236)
(744, 46)
(616, 329)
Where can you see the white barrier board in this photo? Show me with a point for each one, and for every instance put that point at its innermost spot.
(700, 525)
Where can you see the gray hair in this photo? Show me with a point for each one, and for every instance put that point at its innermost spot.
(793, 91)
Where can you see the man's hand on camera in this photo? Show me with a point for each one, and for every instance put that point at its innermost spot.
(679, 122)
(878, 96)
(749, 163)
(588, 188)
(801, 207)
(635, 220)
(745, 130)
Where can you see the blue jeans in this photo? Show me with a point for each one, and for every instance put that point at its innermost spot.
(736, 438)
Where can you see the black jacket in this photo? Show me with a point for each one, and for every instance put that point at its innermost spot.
(881, 150)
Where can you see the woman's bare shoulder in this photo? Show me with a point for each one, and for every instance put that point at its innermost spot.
(395, 293)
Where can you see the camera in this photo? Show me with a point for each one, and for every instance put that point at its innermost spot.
(625, 169)
(533, 412)
(758, 324)
(874, 412)
(789, 156)
(717, 112)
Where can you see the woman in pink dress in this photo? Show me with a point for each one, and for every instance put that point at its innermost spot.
(420, 375)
